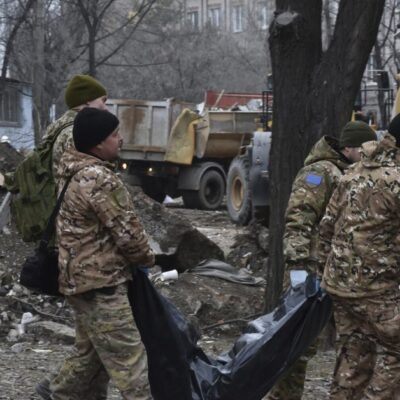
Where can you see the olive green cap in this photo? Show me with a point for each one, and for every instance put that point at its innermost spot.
(355, 133)
(81, 89)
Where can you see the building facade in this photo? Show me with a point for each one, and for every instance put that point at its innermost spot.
(16, 124)
(234, 16)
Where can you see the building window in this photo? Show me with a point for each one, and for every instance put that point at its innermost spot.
(237, 18)
(9, 106)
(263, 17)
(214, 17)
(193, 18)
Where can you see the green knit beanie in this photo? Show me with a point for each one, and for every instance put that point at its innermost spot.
(81, 89)
(355, 133)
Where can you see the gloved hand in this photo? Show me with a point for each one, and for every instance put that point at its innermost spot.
(309, 265)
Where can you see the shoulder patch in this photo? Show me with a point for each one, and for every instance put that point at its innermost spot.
(313, 179)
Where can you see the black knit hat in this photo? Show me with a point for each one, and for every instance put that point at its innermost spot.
(91, 127)
(355, 133)
(81, 89)
(394, 129)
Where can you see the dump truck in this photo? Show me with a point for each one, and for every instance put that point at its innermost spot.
(170, 149)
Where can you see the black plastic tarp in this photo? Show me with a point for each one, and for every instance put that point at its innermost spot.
(180, 370)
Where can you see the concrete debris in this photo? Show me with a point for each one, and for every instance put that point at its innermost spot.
(55, 329)
(12, 335)
(179, 245)
(18, 347)
(207, 301)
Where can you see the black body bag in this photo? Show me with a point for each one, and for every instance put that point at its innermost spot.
(40, 270)
(180, 370)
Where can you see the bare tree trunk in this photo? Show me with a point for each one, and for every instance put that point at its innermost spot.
(295, 45)
(327, 12)
(337, 78)
(38, 72)
(314, 95)
(92, 53)
(10, 40)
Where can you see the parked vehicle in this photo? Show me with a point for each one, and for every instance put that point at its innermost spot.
(170, 149)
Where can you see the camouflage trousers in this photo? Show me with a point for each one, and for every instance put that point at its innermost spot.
(368, 348)
(106, 339)
(291, 386)
(94, 389)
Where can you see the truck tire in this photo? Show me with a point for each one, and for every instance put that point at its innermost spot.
(238, 197)
(153, 188)
(210, 194)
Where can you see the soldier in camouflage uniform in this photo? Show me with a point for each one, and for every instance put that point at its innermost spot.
(82, 91)
(360, 241)
(100, 241)
(311, 191)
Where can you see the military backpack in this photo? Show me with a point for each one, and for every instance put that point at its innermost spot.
(34, 188)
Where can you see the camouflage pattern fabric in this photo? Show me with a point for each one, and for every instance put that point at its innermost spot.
(100, 237)
(291, 386)
(64, 139)
(106, 335)
(311, 191)
(96, 388)
(368, 348)
(360, 231)
(360, 243)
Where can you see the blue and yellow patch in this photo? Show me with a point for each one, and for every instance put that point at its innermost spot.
(314, 180)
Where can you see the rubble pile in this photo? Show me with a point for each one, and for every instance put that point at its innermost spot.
(33, 326)
(250, 249)
(16, 301)
(210, 301)
(174, 239)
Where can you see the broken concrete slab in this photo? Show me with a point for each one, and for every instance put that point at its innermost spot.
(55, 329)
(206, 301)
(179, 244)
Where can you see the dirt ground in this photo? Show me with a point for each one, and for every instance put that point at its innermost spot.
(27, 359)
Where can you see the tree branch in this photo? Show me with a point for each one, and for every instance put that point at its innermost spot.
(8, 48)
(144, 12)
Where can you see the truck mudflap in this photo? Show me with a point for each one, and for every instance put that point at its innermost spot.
(259, 170)
(180, 370)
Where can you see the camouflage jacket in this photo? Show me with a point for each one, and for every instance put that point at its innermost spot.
(311, 191)
(100, 237)
(64, 140)
(360, 232)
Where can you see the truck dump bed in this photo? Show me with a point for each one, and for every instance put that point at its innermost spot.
(146, 129)
(220, 134)
(145, 126)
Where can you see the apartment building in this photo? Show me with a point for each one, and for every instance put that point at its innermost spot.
(229, 15)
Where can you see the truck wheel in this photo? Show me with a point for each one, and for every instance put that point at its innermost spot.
(238, 198)
(210, 194)
(154, 189)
